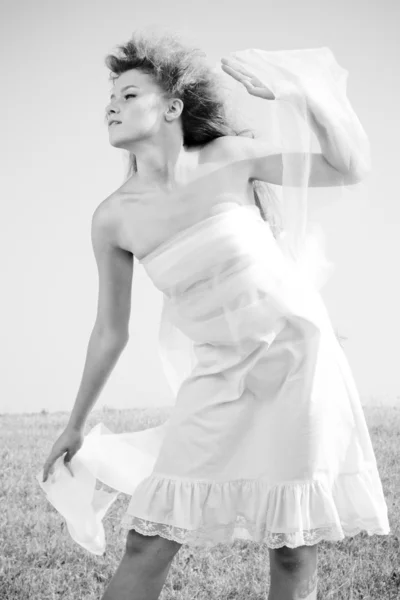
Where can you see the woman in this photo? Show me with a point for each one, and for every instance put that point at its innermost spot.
(267, 440)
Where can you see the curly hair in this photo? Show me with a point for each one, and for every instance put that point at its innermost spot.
(183, 72)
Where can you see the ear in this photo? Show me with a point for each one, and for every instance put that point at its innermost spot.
(174, 109)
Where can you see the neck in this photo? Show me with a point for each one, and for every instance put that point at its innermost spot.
(160, 163)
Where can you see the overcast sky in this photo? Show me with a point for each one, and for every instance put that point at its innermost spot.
(57, 166)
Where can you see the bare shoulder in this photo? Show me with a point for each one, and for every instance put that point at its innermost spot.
(109, 205)
(105, 219)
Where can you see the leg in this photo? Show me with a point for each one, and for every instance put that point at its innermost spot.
(143, 569)
(293, 573)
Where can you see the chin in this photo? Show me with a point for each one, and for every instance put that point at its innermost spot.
(116, 143)
(120, 143)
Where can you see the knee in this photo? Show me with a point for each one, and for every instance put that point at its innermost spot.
(136, 543)
(292, 560)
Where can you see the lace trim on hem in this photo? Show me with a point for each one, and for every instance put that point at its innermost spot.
(226, 533)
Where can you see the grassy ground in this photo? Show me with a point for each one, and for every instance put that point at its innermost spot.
(39, 560)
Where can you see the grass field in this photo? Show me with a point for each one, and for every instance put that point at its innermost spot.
(39, 560)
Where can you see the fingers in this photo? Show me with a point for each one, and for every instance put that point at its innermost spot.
(233, 73)
(50, 471)
(247, 84)
(251, 82)
(235, 66)
(289, 75)
(253, 85)
(48, 468)
(68, 466)
(46, 471)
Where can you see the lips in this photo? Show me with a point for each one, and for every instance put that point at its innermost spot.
(114, 123)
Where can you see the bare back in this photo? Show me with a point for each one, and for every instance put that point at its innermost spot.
(149, 217)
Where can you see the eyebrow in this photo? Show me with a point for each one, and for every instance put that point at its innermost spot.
(123, 89)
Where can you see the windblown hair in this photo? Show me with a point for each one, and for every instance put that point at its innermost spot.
(182, 72)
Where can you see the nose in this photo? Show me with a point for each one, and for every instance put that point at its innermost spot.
(110, 109)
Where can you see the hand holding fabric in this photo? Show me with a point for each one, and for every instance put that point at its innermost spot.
(68, 443)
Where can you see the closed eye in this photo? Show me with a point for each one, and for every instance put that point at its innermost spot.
(127, 95)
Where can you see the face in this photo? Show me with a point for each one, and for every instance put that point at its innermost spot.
(138, 103)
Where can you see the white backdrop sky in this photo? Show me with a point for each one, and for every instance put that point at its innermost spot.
(57, 166)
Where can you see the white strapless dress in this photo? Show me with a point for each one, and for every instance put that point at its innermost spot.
(267, 440)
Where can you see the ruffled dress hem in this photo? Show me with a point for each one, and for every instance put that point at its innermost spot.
(204, 514)
(243, 529)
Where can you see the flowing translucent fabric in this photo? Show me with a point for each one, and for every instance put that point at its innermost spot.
(309, 85)
(301, 80)
(267, 440)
